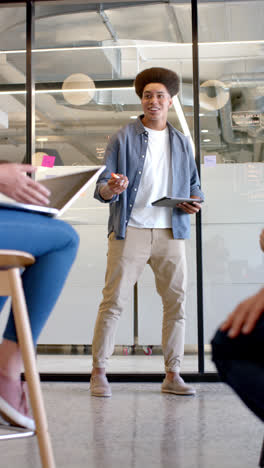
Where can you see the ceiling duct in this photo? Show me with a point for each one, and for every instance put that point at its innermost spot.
(228, 134)
(240, 114)
(242, 80)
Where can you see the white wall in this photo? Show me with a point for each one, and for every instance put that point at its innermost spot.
(73, 320)
(233, 265)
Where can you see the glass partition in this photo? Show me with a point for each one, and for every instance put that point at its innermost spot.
(85, 60)
(232, 130)
(12, 92)
(12, 83)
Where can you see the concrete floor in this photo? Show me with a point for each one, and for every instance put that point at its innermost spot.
(70, 363)
(141, 428)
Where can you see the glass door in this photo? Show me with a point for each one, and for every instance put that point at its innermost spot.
(232, 129)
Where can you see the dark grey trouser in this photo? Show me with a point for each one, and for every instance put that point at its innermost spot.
(240, 363)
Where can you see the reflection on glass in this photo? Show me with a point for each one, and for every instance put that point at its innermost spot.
(110, 45)
(12, 72)
(232, 142)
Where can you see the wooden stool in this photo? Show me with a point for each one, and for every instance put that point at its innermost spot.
(11, 285)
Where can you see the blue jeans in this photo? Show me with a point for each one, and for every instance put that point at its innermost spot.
(54, 244)
(240, 364)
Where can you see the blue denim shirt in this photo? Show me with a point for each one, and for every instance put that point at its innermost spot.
(125, 154)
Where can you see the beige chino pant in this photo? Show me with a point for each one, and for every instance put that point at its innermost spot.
(125, 263)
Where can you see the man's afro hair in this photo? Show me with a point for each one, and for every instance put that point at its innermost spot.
(167, 77)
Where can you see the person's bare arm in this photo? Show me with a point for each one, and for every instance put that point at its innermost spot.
(261, 240)
(17, 185)
(116, 185)
(245, 316)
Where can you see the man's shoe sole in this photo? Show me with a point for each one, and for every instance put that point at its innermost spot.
(178, 393)
(103, 395)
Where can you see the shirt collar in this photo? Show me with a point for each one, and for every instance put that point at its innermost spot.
(139, 125)
(141, 129)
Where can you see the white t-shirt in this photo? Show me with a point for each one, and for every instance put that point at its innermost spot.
(155, 182)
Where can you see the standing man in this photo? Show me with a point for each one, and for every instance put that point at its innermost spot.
(145, 160)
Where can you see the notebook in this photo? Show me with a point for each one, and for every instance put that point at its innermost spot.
(64, 191)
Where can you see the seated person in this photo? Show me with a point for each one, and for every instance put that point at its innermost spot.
(237, 350)
(54, 244)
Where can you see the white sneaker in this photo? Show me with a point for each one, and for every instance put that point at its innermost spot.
(13, 403)
(177, 386)
(99, 386)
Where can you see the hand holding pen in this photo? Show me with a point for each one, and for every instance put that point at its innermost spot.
(118, 183)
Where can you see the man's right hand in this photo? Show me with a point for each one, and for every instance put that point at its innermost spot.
(17, 185)
(245, 316)
(114, 186)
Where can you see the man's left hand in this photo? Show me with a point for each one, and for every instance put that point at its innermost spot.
(190, 208)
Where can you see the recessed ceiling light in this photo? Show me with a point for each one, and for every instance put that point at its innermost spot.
(133, 116)
(42, 139)
(207, 140)
(129, 46)
(204, 131)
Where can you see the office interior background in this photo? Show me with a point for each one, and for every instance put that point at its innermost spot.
(85, 56)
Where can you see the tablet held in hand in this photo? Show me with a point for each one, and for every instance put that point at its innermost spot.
(171, 202)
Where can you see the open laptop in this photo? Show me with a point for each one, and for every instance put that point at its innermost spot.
(64, 190)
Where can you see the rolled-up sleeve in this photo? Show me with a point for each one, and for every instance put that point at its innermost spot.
(195, 184)
(110, 161)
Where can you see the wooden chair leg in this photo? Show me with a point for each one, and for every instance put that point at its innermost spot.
(32, 376)
(261, 460)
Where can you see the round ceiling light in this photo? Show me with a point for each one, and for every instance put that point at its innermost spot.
(213, 95)
(78, 89)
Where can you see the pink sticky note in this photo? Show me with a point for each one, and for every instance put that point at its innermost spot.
(48, 161)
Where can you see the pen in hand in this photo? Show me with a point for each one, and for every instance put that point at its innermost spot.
(116, 176)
